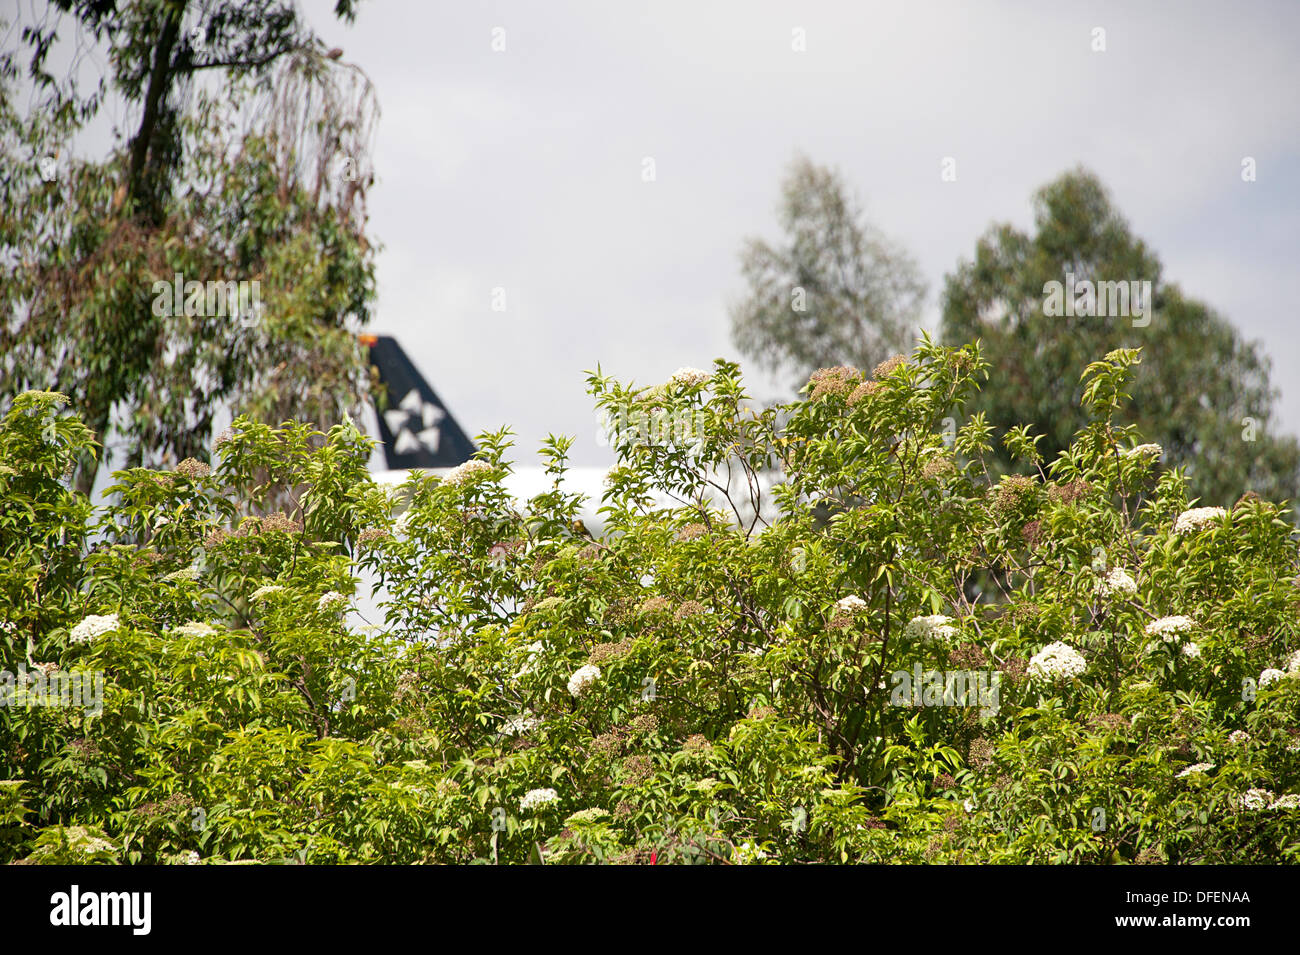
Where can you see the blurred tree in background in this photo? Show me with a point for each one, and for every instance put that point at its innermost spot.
(1201, 392)
(248, 162)
(838, 292)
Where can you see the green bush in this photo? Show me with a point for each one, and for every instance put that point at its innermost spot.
(703, 683)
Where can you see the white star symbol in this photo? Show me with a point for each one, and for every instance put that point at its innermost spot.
(415, 424)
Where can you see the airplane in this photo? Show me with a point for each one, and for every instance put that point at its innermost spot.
(417, 432)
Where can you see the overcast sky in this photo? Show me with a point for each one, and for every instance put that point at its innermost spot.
(522, 169)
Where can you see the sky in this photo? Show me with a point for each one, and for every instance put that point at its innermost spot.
(522, 168)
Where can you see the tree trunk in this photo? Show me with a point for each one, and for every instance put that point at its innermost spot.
(160, 81)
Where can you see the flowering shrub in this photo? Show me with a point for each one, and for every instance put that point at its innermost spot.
(703, 683)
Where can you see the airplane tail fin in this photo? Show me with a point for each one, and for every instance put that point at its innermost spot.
(416, 428)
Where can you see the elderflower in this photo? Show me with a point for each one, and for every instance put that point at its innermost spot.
(1056, 662)
(81, 839)
(1197, 518)
(1256, 799)
(748, 854)
(265, 591)
(1195, 769)
(930, 629)
(518, 725)
(851, 605)
(331, 600)
(536, 798)
(1271, 676)
(195, 628)
(1143, 450)
(467, 473)
(1169, 629)
(582, 678)
(1118, 581)
(689, 376)
(92, 627)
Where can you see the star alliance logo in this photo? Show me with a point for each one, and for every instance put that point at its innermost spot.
(415, 424)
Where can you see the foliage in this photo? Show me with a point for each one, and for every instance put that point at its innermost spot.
(837, 291)
(234, 178)
(685, 689)
(1203, 393)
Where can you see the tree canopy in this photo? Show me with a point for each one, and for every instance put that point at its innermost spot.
(243, 184)
(1202, 393)
(836, 291)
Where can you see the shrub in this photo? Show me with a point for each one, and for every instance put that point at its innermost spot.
(908, 662)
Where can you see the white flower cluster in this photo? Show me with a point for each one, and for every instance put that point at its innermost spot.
(467, 473)
(1238, 738)
(582, 678)
(265, 591)
(536, 798)
(689, 376)
(1143, 450)
(518, 725)
(851, 605)
(1271, 676)
(932, 629)
(1169, 629)
(331, 600)
(1192, 650)
(1196, 518)
(90, 844)
(1195, 769)
(1118, 581)
(195, 628)
(79, 838)
(1289, 801)
(1293, 663)
(1256, 799)
(92, 627)
(1056, 662)
(747, 854)
(185, 573)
